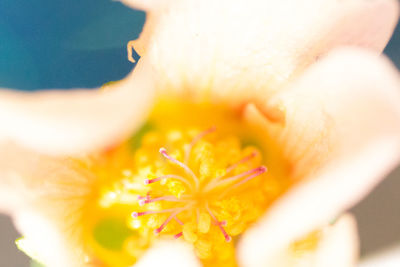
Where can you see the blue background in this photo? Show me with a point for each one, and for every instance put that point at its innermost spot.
(67, 44)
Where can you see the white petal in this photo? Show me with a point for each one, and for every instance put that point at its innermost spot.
(244, 50)
(60, 122)
(337, 245)
(342, 132)
(169, 254)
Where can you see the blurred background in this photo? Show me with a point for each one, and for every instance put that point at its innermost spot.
(47, 44)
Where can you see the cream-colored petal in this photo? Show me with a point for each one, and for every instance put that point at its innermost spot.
(60, 122)
(169, 254)
(47, 197)
(341, 135)
(240, 51)
(337, 245)
(46, 241)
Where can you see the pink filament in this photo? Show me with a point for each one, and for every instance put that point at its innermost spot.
(142, 202)
(146, 197)
(243, 160)
(258, 171)
(159, 229)
(142, 213)
(218, 181)
(177, 177)
(182, 165)
(219, 224)
(178, 235)
(222, 223)
(178, 221)
(172, 216)
(197, 139)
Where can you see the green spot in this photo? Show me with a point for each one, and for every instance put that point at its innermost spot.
(111, 233)
(136, 140)
(250, 142)
(333, 221)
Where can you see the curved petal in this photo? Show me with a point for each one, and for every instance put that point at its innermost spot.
(341, 134)
(334, 245)
(60, 122)
(339, 244)
(47, 197)
(169, 254)
(240, 51)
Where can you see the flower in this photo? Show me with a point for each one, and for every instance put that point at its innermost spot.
(333, 115)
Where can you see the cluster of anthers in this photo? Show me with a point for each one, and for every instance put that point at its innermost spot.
(198, 196)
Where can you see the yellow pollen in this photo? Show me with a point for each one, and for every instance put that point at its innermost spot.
(200, 188)
(204, 176)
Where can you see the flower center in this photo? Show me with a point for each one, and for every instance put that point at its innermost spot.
(187, 179)
(195, 192)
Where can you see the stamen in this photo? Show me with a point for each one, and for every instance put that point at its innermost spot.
(172, 216)
(217, 182)
(142, 202)
(243, 160)
(219, 224)
(259, 171)
(178, 235)
(197, 139)
(178, 221)
(222, 223)
(146, 197)
(177, 177)
(142, 213)
(182, 165)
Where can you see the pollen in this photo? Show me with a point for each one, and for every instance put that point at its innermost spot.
(199, 187)
(193, 172)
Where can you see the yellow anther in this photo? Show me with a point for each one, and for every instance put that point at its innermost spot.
(176, 188)
(204, 223)
(174, 136)
(189, 233)
(205, 186)
(203, 249)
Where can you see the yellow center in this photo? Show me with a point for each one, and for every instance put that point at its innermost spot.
(195, 172)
